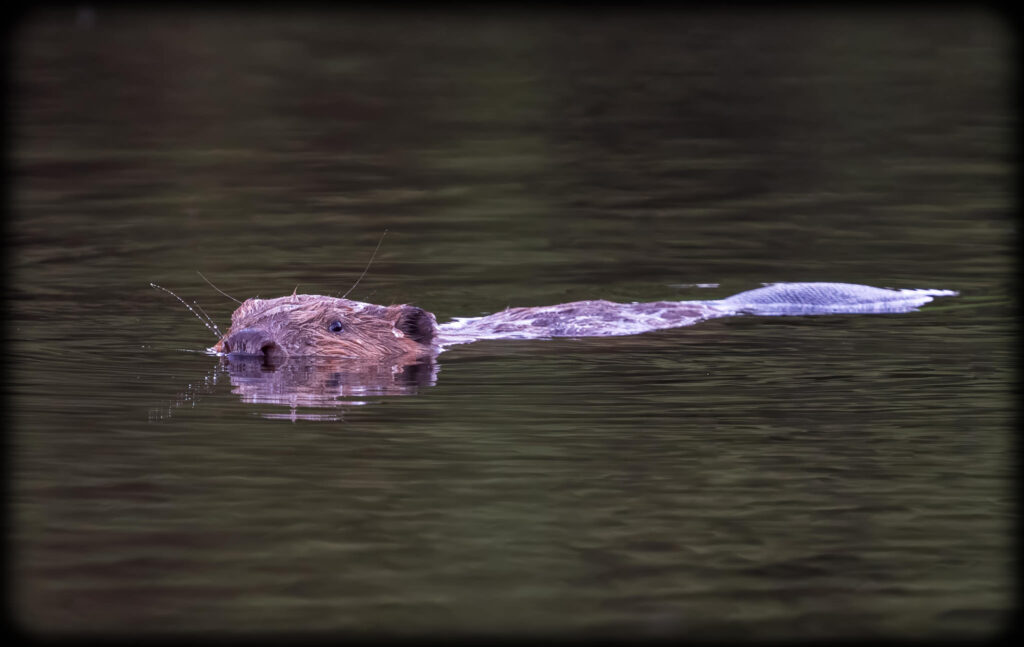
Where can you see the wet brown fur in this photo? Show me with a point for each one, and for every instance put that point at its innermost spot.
(300, 326)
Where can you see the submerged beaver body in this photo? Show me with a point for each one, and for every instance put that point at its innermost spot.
(304, 325)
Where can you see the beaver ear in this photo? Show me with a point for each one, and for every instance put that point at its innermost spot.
(416, 324)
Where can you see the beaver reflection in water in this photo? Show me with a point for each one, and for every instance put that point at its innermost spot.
(304, 325)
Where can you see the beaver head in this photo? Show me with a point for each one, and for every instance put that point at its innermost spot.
(304, 325)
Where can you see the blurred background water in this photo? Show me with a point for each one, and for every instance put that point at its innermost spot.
(845, 476)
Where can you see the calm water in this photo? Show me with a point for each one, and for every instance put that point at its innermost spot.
(841, 476)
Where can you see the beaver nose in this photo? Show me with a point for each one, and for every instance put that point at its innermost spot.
(253, 341)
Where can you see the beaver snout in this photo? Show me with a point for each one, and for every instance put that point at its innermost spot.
(253, 341)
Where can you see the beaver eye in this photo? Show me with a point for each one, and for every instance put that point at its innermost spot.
(335, 326)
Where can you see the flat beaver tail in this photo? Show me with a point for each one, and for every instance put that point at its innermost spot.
(828, 298)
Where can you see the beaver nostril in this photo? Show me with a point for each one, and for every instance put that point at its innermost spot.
(251, 341)
(273, 355)
(272, 351)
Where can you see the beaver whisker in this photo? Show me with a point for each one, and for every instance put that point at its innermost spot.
(209, 324)
(372, 256)
(208, 317)
(218, 289)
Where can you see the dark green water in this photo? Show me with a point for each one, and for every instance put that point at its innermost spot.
(817, 477)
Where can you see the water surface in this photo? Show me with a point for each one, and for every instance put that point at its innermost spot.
(794, 477)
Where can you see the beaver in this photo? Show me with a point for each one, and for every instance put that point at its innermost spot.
(309, 325)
